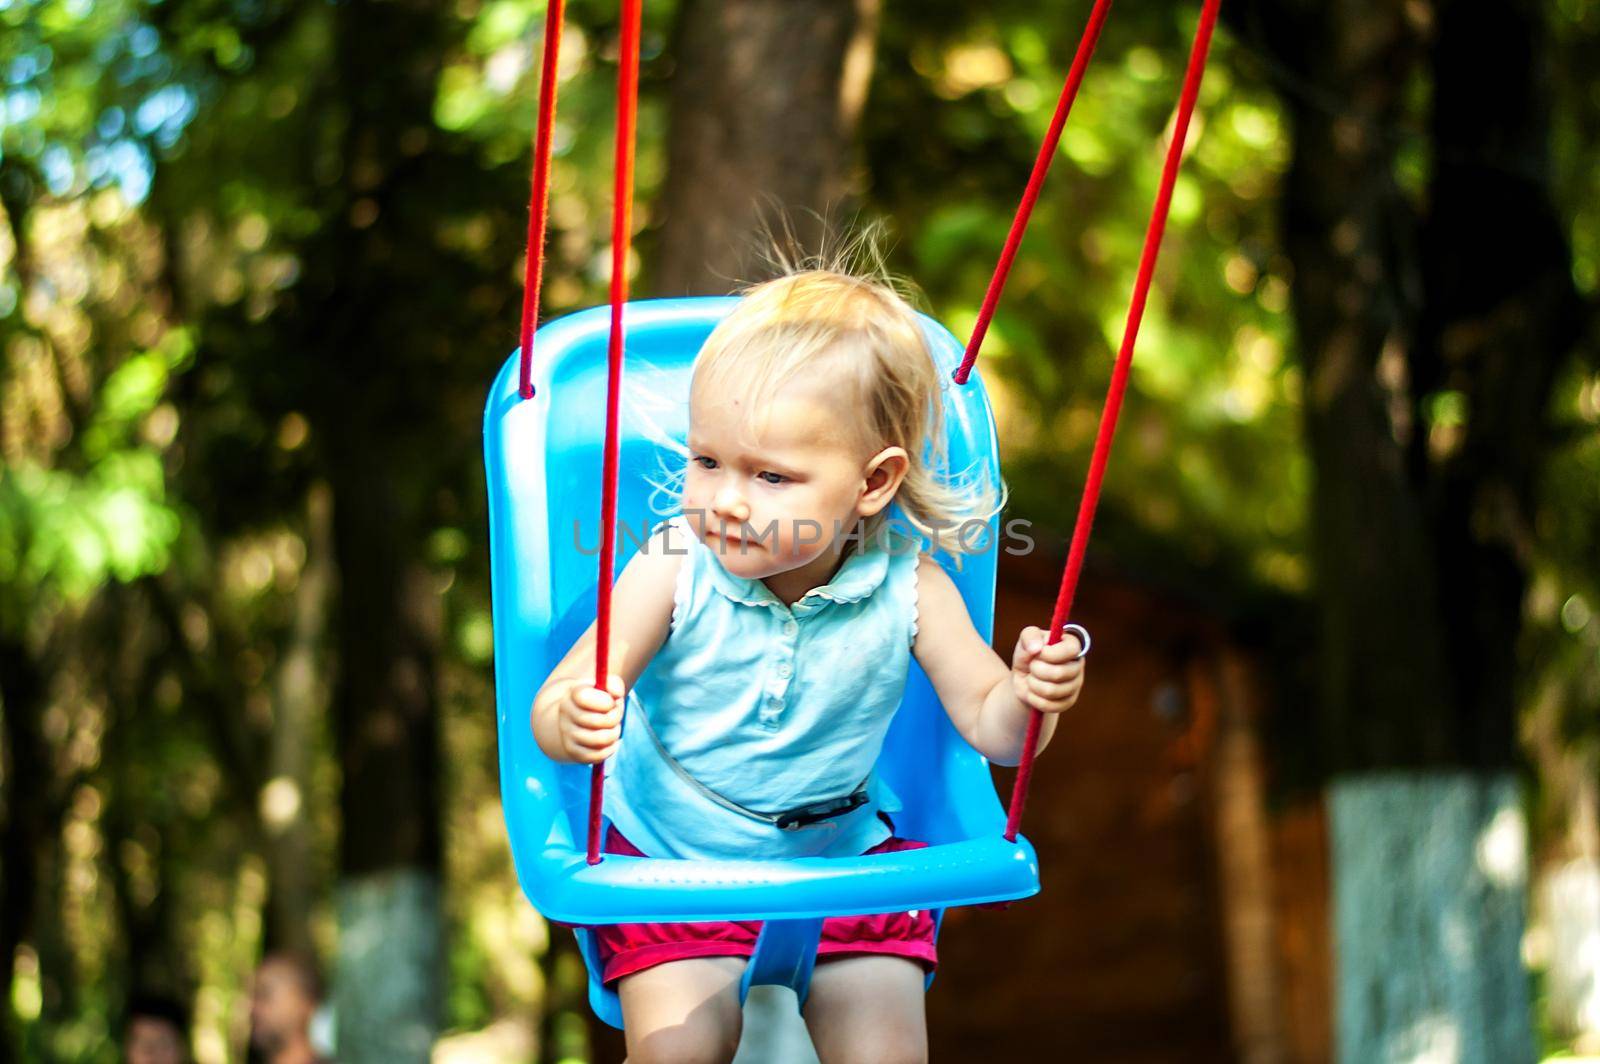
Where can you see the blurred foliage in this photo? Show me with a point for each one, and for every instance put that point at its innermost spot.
(1562, 640)
(166, 169)
(1207, 460)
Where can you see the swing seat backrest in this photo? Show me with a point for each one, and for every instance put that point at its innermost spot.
(543, 460)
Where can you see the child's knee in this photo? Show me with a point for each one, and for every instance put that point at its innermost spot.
(693, 1042)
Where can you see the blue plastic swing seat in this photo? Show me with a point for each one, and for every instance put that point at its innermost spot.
(543, 458)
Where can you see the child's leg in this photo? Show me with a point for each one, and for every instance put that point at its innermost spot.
(683, 1012)
(865, 1009)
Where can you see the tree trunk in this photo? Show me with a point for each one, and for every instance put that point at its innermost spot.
(390, 969)
(1569, 900)
(26, 769)
(1430, 881)
(147, 928)
(1429, 353)
(296, 718)
(766, 98)
(1346, 227)
(1566, 874)
(379, 317)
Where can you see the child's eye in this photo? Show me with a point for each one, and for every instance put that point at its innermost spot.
(704, 461)
(771, 477)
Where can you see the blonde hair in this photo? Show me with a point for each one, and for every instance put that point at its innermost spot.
(862, 337)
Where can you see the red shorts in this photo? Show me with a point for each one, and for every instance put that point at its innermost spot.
(629, 948)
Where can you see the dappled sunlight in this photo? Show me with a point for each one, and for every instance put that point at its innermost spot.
(1432, 1040)
(236, 279)
(1226, 390)
(1502, 850)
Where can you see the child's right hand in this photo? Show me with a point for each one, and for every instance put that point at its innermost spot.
(591, 720)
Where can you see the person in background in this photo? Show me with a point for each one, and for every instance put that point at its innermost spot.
(156, 1031)
(283, 1001)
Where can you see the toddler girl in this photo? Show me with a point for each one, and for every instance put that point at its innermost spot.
(761, 641)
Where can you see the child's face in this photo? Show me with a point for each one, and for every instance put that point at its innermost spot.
(775, 499)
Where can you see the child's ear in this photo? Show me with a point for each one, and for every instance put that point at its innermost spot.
(883, 476)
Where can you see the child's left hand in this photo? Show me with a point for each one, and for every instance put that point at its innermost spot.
(1047, 677)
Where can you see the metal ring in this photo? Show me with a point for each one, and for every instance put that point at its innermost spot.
(1083, 637)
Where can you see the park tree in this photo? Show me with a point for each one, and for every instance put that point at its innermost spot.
(765, 106)
(1419, 217)
(360, 365)
(86, 513)
(1435, 313)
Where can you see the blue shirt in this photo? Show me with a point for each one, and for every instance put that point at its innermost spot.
(770, 705)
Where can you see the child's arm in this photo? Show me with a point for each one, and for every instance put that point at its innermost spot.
(572, 719)
(987, 702)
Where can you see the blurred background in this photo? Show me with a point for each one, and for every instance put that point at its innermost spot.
(1332, 791)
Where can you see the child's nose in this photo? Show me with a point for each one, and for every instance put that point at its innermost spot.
(729, 505)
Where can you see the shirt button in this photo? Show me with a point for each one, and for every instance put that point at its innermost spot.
(790, 627)
(784, 669)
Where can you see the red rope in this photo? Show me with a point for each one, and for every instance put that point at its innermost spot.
(539, 199)
(621, 240)
(1030, 196)
(1119, 384)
